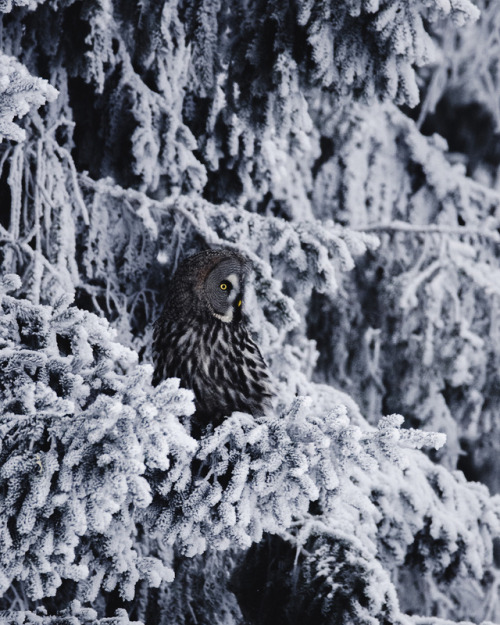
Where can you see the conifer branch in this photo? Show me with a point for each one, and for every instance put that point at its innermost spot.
(400, 226)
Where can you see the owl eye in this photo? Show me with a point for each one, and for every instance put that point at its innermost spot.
(225, 286)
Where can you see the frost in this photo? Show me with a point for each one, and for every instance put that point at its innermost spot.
(7, 5)
(76, 614)
(102, 462)
(281, 130)
(111, 440)
(18, 92)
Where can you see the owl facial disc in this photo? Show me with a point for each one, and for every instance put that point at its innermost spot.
(223, 289)
(232, 287)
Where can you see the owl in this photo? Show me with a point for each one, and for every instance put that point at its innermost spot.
(202, 338)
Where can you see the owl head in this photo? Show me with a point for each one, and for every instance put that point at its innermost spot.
(211, 282)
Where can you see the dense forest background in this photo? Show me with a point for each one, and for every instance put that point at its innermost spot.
(350, 149)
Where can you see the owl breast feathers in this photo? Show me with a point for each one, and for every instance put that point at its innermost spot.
(201, 338)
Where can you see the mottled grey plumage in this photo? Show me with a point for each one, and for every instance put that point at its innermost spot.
(201, 338)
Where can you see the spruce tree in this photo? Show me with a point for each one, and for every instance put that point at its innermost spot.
(338, 146)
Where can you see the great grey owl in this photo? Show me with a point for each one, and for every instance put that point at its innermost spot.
(201, 337)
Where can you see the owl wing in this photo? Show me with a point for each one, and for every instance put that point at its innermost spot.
(168, 338)
(257, 373)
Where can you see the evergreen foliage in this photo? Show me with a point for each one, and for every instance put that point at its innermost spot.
(18, 91)
(77, 436)
(433, 297)
(282, 129)
(75, 614)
